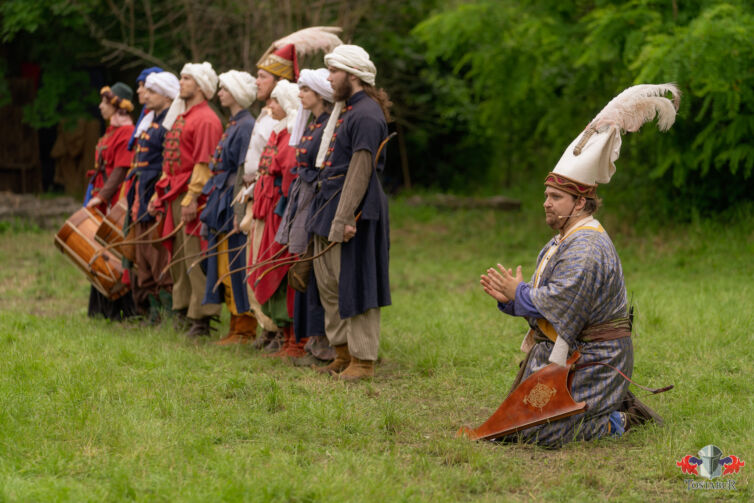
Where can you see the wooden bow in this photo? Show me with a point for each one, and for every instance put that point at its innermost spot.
(297, 260)
(202, 253)
(125, 242)
(251, 267)
(214, 254)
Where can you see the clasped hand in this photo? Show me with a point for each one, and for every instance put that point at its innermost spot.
(349, 231)
(500, 283)
(189, 212)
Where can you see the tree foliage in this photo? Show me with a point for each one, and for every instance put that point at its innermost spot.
(51, 33)
(486, 92)
(68, 36)
(538, 71)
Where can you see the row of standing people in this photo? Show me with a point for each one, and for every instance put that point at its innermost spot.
(237, 208)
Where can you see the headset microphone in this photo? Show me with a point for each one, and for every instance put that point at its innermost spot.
(571, 215)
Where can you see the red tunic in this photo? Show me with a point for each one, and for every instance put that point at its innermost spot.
(191, 140)
(111, 152)
(275, 170)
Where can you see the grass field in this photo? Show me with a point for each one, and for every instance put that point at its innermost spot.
(98, 411)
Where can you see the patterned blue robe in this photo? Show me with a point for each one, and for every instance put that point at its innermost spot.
(217, 216)
(308, 313)
(582, 285)
(148, 163)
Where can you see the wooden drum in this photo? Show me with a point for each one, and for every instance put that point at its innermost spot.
(76, 240)
(110, 231)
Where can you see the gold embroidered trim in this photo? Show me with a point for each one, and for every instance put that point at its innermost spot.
(277, 66)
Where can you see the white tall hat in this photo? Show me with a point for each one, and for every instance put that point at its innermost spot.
(286, 94)
(590, 158)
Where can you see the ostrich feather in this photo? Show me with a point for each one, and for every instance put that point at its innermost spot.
(640, 104)
(312, 39)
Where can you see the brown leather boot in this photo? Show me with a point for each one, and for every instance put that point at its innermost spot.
(638, 413)
(296, 349)
(341, 361)
(356, 371)
(246, 327)
(232, 336)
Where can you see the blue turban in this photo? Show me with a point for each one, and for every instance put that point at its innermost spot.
(144, 73)
(141, 78)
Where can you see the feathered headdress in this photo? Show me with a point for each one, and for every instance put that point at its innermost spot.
(281, 58)
(590, 158)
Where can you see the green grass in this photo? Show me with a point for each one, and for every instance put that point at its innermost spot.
(98, 411)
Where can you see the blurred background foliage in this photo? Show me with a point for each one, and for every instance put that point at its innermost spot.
(487, 93)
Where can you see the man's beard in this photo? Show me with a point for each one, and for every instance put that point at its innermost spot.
(554, 221)
(343, 91)
(187, 96)
(159, 106)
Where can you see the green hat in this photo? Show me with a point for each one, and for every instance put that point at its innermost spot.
(119, 95)
(122, 91)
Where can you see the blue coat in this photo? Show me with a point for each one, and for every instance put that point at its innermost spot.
(218, 215)
(148, 163)
(364, 262)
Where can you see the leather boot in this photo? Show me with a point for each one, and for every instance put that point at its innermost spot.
(246, 327)
(263, 340)
(232, 336)
(199, 328)
(356, 371)
(275, 344)
(309, 360)
(288, 340)
(314, 349)
(638, 413)
(341, 361)
(181, 321)
(296, 348)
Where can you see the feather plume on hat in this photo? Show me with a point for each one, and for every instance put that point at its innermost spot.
(635, 106)
(310, 40)
(590, 158)
(281, 58)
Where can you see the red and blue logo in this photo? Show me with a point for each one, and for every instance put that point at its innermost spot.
(710, 463)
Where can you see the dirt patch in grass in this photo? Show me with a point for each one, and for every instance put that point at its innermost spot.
(44, 212)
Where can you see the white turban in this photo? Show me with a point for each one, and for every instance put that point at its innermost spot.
(354, 60)
(241, 85)
(316, 80)
(205, 78)
(286, 94)
(164, 84)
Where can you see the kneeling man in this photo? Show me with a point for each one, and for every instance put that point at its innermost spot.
(576, 299)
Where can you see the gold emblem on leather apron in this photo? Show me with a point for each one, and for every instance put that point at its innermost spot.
(539, 396)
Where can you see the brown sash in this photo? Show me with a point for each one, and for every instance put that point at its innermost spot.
(608, 331)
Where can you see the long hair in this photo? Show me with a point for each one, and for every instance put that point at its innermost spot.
(381, 97)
